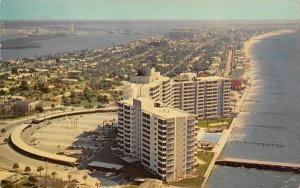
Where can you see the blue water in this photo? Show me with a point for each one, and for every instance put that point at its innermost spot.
(211, 137)
(86, 35)
(277, 87)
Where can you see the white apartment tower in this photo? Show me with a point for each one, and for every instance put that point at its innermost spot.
(206, 97)
(149, 83)
(161, 137)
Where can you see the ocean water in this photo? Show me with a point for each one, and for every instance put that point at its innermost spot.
(273, 119)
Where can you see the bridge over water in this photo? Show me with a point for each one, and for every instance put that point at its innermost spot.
(261, 165)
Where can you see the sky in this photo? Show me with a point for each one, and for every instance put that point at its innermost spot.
(150, 9)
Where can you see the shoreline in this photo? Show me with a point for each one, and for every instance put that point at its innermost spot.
(248, 76)
(247, 48)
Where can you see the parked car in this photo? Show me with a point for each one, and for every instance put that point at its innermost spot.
(108, 174)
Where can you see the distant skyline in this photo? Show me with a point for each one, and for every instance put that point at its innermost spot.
(150, 9)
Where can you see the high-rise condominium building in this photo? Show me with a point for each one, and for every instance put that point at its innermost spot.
(207, 97)
(149, 83)
(161, 137)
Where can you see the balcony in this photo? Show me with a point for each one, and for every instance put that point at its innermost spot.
(162, 131)
(127, 127)
(170, 156)
(170, 147)
(170, 169)
(120, 133)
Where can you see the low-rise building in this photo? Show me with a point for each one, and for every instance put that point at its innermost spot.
(26, 107)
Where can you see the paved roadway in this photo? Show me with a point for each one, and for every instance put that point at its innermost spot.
(8, 157)
(186, 58)
(228, 65)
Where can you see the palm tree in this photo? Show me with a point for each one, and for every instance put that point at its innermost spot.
(69, 177)
(16, 166)
(3, 131)
(58, 148)
(53, 174)
(27, 169)
(84, 178)
(97, 184)
(40, 169)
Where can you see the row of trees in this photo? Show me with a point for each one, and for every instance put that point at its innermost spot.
(28, 169)
(34, 180)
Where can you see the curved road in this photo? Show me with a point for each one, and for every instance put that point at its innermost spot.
(8, 157)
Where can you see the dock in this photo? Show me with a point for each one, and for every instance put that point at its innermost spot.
(261, 165)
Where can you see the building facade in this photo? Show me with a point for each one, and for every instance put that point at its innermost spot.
(161, 137)
(206, 97)
(149, 83)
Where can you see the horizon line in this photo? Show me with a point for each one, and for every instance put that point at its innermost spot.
(190, 20)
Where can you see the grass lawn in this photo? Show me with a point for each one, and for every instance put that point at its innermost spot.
(94, 103)
(207, 123)
(8, 83)
(201, 169)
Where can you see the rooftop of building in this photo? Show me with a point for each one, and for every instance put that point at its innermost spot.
(159, 109)
(147, 75)
(193, 77)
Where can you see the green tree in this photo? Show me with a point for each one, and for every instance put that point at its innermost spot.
(97, 184)
(32, 180)
(102, 98)
(43, 87)
(52, 107)
(87, 94)
(3, 131)
(24, 85)
(84, 178)
(40, 169)
(16, 166)
(69, 177)
(53, 174)
(2, 92)
(27, 169)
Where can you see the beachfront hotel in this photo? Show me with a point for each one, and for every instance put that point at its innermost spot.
(157, 116)
(161, 137)
(149, 83)
(206, 97)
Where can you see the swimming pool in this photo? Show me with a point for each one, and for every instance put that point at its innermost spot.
(211, 137)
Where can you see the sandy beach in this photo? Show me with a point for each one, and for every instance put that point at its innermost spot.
(249, 73)
(249, 44)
